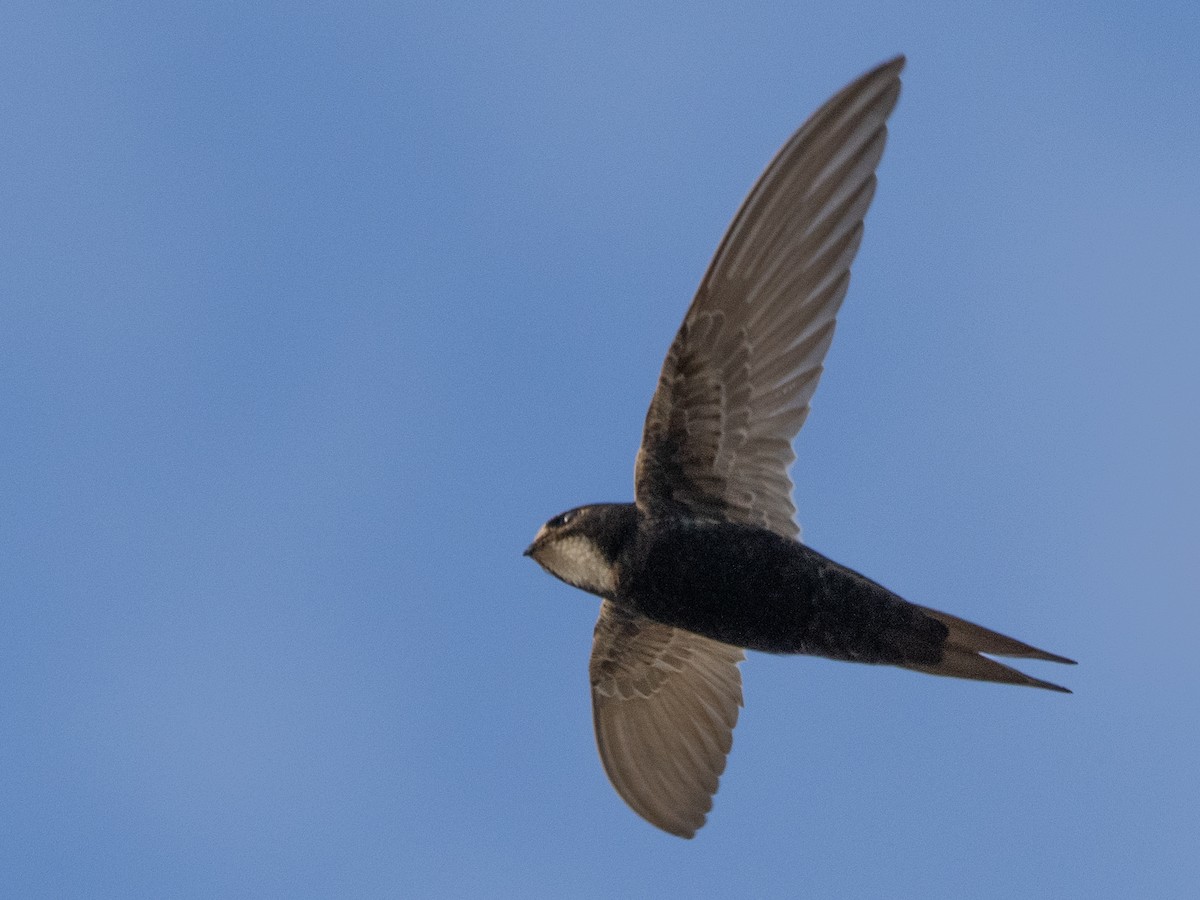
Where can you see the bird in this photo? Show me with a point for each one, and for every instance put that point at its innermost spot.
(707, 562)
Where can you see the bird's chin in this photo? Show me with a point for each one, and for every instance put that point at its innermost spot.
(539, 551)
(536, 552)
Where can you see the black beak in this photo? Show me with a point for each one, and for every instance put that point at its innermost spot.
(528, 551)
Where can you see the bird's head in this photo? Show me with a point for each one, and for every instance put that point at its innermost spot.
(581, 546)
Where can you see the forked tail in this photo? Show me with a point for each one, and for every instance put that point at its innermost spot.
(962, 654)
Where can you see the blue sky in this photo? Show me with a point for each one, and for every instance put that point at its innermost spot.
(311, 313)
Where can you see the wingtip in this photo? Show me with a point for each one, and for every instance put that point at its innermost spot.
(891, 66)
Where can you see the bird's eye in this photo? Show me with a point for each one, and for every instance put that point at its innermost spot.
(562, 519)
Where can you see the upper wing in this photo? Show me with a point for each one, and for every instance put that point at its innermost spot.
(736, 384)
(664, 702)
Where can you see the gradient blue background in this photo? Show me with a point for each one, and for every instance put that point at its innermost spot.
(311, 313)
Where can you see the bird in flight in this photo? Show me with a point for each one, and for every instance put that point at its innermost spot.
(707, 562)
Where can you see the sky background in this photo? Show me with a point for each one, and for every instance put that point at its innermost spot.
(311, 313)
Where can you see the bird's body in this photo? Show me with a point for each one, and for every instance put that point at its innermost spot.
(752, 588)
(707, 561)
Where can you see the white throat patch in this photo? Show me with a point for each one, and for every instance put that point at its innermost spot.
(577, 561)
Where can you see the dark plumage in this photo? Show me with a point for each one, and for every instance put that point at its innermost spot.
(707, 561)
